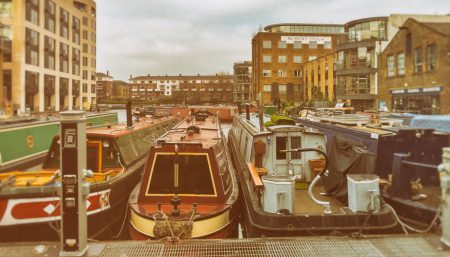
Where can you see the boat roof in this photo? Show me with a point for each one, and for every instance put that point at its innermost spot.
(206, 132)
(120, 129)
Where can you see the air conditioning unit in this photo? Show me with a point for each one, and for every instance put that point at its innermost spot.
(279, 193)
(363, 192)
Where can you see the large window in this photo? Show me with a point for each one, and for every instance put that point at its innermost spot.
(418, 60)
(267, 73)
(281, 44)
(401, 64)
(312, 44)
(327, 45)
(50, 17)
(32, 47)
(32, 11)
(63, 57)
(6, 38)
(194, 175)
(49, 53)
(75, 61)
(64, 23)
(280, 145)
(267, 58)
(390, 66)
(5, 8)
(431, 57)
(75, 30)
(282, 73)
(267, 88)
(297, 44)
(295, 144)
(267, 44)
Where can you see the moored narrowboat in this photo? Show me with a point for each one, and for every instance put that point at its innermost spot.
(29, 203)
(280, 170)
(189, 188)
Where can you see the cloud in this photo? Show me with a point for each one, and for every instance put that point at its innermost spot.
(199, 36)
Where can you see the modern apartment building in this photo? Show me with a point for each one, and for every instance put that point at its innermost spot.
(279, 52)
(243, 88)
(356, 60)
(183, 89)
(50, 59)
(318, 80)
(414, 69)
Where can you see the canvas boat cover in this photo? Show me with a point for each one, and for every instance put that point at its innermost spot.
(346, 157)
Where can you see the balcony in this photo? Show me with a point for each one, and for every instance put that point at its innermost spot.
(361, 67)
(354, 94)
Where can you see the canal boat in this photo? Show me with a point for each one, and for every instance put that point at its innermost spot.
(189, 188)
(25, 140)
(29, 202)
(280, 169)
(406, 157)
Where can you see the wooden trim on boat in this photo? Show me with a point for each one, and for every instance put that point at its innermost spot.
(257, 182)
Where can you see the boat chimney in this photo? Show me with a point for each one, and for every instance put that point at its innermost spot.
(129, 116)
(260, 112)
(175, 201)
(247, 111)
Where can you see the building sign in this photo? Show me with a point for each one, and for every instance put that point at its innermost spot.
(417, 90)
(305, 39)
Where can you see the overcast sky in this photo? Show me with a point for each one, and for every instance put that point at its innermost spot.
(142, 37)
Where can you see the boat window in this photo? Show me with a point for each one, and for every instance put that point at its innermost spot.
(296, 143)
(92, 161)
(110, 157)
(194, 175)
(281, 145)
(53, 160)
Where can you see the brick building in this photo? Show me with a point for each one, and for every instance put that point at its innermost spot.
(414, 69)
(319, 79)
(243, 89)
(104, 86)
(279, 51)
(120, 91)
(183, 89)
(49, 64)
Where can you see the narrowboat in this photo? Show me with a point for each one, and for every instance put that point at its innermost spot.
(29, 202)
(406, 158)
(280, 170)
(189, 188)
(25, 140)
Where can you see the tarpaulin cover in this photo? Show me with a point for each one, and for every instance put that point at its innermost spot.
(346, 157)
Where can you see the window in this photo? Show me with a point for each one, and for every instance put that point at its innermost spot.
(32, 11)
(75, 61)
(281, 44)
(85, 74)
(32, 47)
(280, 145)
(64, 23)
(418, 59)
(297, 59)
(297, 73)
(85, 34)
(282, 58)
(267, 73)
(312, 44)
(196, 181)
(327, 45)
(85, 21)
(296, 143)
(311, 58)
(267, 58)
(75, 30)
(267, 44)
(49, 53)
(50, 17)
(5, 8)
(390, 66)
(431, 57)
(63, 57)
(85, 61)
(85, 48)
(267, 88)
(408, 43)
(297, 44)
(401, 64)
(282, 89)
(282, 73)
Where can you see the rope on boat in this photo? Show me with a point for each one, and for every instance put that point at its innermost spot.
(405, 226)
(183, 229)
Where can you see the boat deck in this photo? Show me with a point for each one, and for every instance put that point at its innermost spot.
(304, 204)
(397, 245)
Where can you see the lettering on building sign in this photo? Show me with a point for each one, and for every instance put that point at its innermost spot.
(398, 91)
(305, 39)
(413, 90)
(431, 89)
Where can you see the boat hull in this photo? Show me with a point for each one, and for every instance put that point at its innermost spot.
(257, 223)
(26, 217)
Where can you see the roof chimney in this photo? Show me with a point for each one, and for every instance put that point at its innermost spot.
(107, 72)
(131, 76)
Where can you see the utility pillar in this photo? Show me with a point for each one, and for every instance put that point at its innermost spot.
(74, 189)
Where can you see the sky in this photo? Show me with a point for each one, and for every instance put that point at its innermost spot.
(140, 37)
